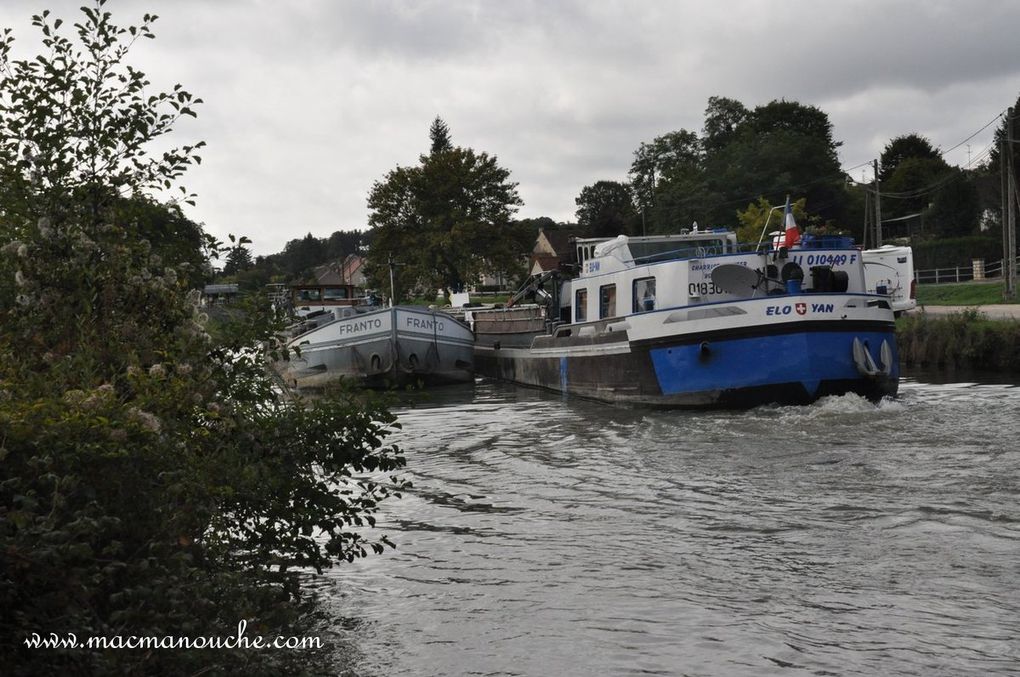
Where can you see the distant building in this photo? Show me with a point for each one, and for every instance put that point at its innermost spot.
(349, 272)
(341, 283)
(219, 293)
(553, 250)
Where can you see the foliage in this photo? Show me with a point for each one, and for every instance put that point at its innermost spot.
(989, 177)
(70, 141)
(775, 149)
(155, 481)
(669, 156)
(606, 209)
(783, 147)
(902, 148)
(917, 184)
(956, 251)
(963, 340)
(955, 207)
(753, 219)
(439, 133)
(173, 236)
(447, 221)
(299, 258)
(238, 259)
(995, 152)
(723, 117)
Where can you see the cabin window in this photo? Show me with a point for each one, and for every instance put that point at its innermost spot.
(581, 305)
(309, 295)
(607, 301)
(644, 294)
(334, 293)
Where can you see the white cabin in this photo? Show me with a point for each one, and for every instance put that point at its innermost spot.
(627, 275)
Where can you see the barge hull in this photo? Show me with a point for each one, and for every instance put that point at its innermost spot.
(797, 366)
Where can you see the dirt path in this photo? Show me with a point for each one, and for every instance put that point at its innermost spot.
(992, 312)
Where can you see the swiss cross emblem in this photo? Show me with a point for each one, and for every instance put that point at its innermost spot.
(801, 308)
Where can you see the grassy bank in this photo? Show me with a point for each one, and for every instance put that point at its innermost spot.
(963, 294)
(961, 341)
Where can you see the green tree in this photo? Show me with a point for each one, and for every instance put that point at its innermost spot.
(781, 147)
(723, 117)
(955, 209)
(606, 209)
(439, 132)
(989, 177)
(902, 148)
(911, 188)
(238, 259)
(172, 235)
(153, 478)
(759, 214)
(447, 221)
(670, 155)
(669, 182)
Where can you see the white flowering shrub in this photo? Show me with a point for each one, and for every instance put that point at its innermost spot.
(153, 480)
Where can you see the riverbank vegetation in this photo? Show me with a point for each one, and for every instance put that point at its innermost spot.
(964, 340)
(155, 484)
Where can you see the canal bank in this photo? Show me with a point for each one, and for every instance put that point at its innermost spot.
(961, 337)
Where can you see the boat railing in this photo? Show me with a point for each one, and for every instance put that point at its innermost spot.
(682, 253)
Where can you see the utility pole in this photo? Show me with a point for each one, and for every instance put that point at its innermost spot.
(878, 209)
(1003, 218)
(1010, 207)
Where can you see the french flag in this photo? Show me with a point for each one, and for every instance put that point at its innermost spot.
(792, 235)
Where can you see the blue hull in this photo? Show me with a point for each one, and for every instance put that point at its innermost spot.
(788, 365)
(806, 358)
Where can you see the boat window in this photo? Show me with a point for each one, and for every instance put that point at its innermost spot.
(607, 301)
(644, 294)
(334, 293)
(581, 305)
(309, 294)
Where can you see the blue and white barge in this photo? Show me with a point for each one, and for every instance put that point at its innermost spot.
(689, 320)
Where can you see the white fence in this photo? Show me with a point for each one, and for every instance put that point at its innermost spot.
(993, 271)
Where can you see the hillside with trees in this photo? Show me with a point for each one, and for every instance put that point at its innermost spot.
(747, 159)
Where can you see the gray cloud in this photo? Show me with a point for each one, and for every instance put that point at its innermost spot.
(308, 103)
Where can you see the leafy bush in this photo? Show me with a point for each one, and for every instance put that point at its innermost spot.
(155, 481)
(960, 340)
(956, 251)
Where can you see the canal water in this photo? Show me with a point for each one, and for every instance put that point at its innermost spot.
(547, 536)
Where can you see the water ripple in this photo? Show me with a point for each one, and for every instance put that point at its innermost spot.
(551, 536)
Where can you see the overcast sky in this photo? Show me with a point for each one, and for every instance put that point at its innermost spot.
(308, 102)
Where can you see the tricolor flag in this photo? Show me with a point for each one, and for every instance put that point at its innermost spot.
(792, 235)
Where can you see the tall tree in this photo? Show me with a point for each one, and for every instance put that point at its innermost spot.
(668, 155)
(439, 132)
(238, 260)
(990, 176)
(667, 179)
(782, 147)
(902, 148)
(723, 117)
(447, 220)
(910, 189)
(606, 209)
(955, 209)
